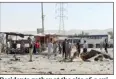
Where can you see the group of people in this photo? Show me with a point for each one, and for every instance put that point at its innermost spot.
(59, 47)
(65, 48)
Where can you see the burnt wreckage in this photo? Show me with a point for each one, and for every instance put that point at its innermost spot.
(22, 42)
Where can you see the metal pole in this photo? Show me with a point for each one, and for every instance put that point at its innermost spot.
(42, 17)
(42, 21)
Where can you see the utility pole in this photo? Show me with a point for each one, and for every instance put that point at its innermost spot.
(42, 18)
(61, 16)
(42, 22)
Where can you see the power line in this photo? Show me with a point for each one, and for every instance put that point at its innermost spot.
(61, 17)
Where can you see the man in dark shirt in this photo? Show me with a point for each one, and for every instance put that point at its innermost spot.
(68, 49)
(63, 48)
(60, 47)
(78, 46)
(106, 46)
(14, 44)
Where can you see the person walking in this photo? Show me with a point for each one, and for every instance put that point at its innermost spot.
(50, 48)
(78, 47)
(55, 46)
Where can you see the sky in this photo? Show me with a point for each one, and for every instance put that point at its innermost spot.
(84, 16)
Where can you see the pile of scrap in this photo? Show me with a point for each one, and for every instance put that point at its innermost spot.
(93, 53)
(23, 49)
(10, 49)
(101, 56)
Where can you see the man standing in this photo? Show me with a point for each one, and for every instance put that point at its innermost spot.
(63, 48)
(14, 46)
(50, 48)
(30, 48)
(14, 49)
(55, 46)
(37, 46)
(60, 47)
(78, 46)
(69, 48)
(8, 47)
(34, 47)
(106, 46)
(85, 46)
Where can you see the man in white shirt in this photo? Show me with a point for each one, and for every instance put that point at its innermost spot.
(55, 47)
(50, 48)
(101, 45)
(85, 46)
(8, 44)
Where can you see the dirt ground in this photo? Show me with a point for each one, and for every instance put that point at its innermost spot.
(42, 65)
